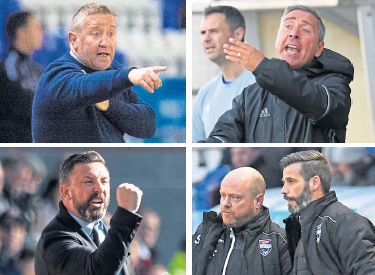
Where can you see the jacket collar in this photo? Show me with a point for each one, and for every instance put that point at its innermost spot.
(315, 208)
(253, 227)
(67, 219)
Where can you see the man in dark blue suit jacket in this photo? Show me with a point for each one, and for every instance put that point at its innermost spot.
(78, 241)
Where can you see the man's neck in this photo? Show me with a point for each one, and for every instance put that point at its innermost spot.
(231, 70)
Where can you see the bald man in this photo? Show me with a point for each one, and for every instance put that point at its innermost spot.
(242, 239)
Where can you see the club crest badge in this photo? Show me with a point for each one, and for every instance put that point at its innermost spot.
(318, 232)
(265, 247)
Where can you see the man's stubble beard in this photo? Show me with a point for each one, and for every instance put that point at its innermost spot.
(84, 209)
(302, 201)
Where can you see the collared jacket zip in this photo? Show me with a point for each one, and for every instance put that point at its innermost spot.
(231, 236)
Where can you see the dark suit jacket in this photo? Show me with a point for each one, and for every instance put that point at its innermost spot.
(65, 248)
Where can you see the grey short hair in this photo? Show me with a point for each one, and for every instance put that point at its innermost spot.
(89, 9)
(68, 165)
(313, 163)
(322, 28)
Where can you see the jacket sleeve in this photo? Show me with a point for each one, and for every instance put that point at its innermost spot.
(326, 103)
(63, 88)
(64, 254)
(230, 128)
(131, 115)
(353, 237)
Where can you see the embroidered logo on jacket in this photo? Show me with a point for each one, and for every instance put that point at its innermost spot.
(264, 113)
(265, 247)
(318, 232)
(197, 241)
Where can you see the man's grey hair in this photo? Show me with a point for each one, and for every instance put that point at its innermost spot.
(322, 28)
(89, 9)
(68, 165)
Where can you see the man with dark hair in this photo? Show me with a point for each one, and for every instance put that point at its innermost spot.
(84, 96)
(218, 24)
(19, 75)
(78, 239)
(324, 236)
(304, 96)
(242, 239)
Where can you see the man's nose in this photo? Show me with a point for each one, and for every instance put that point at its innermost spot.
(99, 187)
(226, 202)
(206, 37)
(104, 41)
(294, 33)
(284, 190)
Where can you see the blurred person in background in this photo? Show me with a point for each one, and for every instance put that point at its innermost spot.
(134, 259)
(303, 96)
(19, 76)
(218, 24)
(17, 176)
(47, 209)
(332, 239)
(13, 232)
(351, 166)
(241, 239)
(148, 235)
(23, 176)
(84, 96)
(79, 231)
(25, 263)
(4, 204)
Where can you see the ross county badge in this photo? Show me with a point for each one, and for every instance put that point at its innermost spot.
(265, 247)
(318, 232)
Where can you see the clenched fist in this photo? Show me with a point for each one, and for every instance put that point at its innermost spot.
(146, 77)
(129, 197)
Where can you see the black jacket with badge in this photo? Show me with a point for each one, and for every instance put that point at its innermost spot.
(334, 240)
(263, 249)
(306, 105)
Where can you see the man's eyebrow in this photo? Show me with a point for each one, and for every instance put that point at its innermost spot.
(290, 18)
(210, 29)
(293, 18)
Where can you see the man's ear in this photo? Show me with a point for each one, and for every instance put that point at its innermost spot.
(320, 49)
(315, 183)
(258, 201)
(239, 33)
(73, 37)
(65, 192)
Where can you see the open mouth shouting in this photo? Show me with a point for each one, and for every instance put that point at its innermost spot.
(292, 49)
(97, 202)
